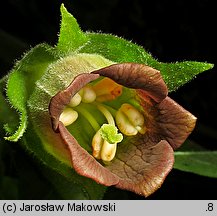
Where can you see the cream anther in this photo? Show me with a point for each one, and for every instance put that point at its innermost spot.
(75, 101)
(108, 151)
(97, 143)
(68, 116)
(129, 120)
(88, 95)
(124, 124)
(107, 90)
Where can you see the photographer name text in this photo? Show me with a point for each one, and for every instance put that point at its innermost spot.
(70, 207)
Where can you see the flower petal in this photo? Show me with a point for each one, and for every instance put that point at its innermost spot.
(167, 120)
(142, 162)
(142, 165)
(62, 98)
(137, 76)
(84, 163)
(174, 123)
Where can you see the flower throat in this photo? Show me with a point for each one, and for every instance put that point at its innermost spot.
(117, 123)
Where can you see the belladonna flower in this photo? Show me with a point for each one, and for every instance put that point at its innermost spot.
(136, 126)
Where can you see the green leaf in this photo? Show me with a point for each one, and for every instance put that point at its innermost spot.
(177, 74)
(202, 162)
(8, 117)
(71, 37)
(21, 82)
(119, 50)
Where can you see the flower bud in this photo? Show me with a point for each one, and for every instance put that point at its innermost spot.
(68, 116)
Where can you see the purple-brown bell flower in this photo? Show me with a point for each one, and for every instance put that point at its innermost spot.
(136, 126)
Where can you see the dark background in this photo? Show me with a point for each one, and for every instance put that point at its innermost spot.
(171, 30)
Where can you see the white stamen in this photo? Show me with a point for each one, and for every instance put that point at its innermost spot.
(134, 116)
(75, 101)
(88, 94)
(68, 116)
(97, 143)
(124, 125)
(108, 151)
(129, 120)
